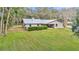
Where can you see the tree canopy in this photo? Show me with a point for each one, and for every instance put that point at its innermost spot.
(10, 16)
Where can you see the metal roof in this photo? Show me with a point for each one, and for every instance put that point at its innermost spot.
(36, 21)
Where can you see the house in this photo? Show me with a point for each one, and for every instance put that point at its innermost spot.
(69, 22)
(40, 22)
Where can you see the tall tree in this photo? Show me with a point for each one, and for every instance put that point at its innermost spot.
(8, 15)
(1, 22)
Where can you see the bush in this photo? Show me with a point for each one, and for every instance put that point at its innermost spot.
(37, 28)
(73, 28)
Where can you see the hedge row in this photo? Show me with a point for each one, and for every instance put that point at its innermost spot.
(37, 28)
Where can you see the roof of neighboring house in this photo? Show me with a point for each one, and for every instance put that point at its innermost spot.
(37, 21)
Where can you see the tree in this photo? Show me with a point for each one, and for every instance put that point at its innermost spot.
(6, 25)
(45, 13)
(10, 16)
(2, 20)
(76, 22)
(67, 14)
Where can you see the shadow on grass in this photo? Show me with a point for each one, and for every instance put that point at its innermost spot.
(76, 34)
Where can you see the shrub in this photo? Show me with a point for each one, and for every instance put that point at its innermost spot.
(73, 28)
(37, 28)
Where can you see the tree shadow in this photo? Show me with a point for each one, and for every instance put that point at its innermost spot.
(76, 34)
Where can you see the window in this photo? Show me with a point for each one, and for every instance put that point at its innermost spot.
(30, 25)
(56, 25)
(37, 24)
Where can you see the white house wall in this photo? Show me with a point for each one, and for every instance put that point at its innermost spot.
(59, 24)
(27, 25)
(33, 25)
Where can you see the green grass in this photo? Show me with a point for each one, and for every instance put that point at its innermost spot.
(44, 40)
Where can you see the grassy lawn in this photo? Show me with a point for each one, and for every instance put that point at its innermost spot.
(45, 40)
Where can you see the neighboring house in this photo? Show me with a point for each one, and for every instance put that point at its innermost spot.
(40, 22)
(69, 23)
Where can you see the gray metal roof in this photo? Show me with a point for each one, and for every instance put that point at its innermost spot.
(36, 21)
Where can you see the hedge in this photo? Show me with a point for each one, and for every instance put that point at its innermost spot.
(37, 28)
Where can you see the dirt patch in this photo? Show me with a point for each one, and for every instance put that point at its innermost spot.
(17, 28)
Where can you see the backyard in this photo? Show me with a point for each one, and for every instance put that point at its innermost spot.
(44, 40)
